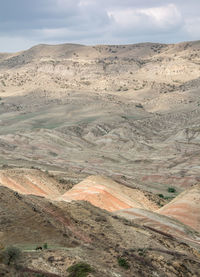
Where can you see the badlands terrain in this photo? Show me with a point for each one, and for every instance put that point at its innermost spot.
(100, 159)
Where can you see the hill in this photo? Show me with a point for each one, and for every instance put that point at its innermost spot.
(99, 159)
(77, 231)
(185, 208)
(104, 110)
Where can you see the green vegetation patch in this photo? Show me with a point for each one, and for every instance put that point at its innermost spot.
(45, 246)
(123, 263)
(10, 255)
(171, 189)
(80, 270)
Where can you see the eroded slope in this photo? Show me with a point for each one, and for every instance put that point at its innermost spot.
(185, 208)
(29, 181)
(109, 195)
(79, 231)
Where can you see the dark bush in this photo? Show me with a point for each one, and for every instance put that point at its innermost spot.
(45, 246)
(80, 270)
(171, 190)
(11, 255)
(123, 263)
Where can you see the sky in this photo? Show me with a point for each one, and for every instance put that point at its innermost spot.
(24, 23)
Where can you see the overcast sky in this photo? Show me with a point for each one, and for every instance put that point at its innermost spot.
(24, 23)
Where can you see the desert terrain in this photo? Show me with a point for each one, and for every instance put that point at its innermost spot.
(100, 159)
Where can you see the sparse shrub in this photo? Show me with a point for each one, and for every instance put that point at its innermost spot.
(1, 254)
(3, 83)
(139, 106)
(38, 248)
(161, 195)
(51, 259)
(169, 197)
(123, 263)
(53, 154)
(80, 270)
(87, 83)
(141, 251)
(11, 255)
(172, 190)
(45, 246)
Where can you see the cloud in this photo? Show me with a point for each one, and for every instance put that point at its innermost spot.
(192, 27)
(97, 21)
(163, 18)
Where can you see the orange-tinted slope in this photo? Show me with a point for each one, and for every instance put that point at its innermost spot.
(185, 208)
(107, 194)
(29, 181)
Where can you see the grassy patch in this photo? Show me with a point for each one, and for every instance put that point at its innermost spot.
(45, 246)
(171, 190)
(123, 263)
(80, 270)
(10, 255)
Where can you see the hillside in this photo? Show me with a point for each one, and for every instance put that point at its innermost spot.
(80, 232)
(104, 110)
(185, 208)
(99, 158)
(106, 194)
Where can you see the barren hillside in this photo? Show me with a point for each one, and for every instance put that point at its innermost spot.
(99, 158)
(129, 110)
(78, 231)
